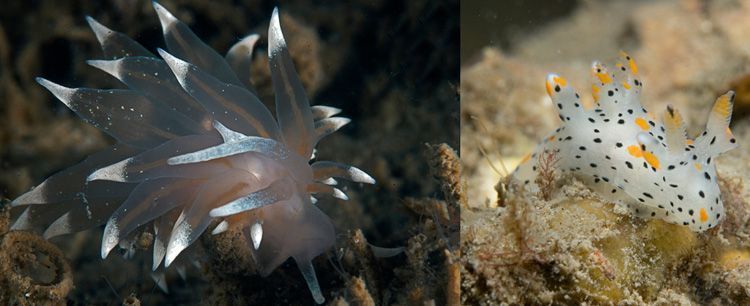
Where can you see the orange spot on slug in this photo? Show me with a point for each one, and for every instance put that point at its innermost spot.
(722, 107)
(633, 66)
(635, 151)
(704, 215)
(604, 78)
(631, 62)
(560, 81)
(549, 88)
(642, 123)
(651, 159)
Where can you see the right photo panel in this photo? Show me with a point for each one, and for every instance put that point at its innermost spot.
(604, 147)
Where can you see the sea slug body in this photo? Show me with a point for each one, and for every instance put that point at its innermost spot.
(194, 144)
(620, 150)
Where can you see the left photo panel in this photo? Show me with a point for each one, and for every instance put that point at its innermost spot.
(229, 153)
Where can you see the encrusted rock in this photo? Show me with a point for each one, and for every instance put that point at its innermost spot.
(33, 271)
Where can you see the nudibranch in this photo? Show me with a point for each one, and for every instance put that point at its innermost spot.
(194, 144)
(617, 148)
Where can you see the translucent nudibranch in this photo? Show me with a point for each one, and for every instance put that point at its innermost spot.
(194, 144)
(620, 150)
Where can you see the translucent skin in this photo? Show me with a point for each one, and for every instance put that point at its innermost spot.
(293, 228)
(620, 150)
(195, 144)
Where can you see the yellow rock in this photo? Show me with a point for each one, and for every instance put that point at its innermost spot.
(732, 258)
(668, 242)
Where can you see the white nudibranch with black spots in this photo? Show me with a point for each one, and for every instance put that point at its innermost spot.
(195, 144)
(621, 151)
